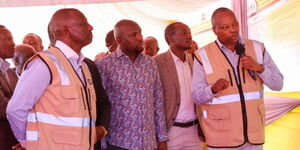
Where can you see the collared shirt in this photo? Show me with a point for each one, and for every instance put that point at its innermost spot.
(30, 87)
(186, 110)
(135, 93)
(201, 91)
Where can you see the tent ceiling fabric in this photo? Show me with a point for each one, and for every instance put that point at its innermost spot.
(20, 3)
(180, 5)
(152, 15)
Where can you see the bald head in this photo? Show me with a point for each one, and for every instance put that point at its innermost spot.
(128, 35)
(33, 40)
(218, 13)
(122, 26)
(110, 41)
(150, 46)
(22, 53)
(70, 26)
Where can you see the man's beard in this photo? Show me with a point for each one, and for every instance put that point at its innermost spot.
(139, 50)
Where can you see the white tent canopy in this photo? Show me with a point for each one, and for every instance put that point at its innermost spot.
(32, 16)
(153, 16)
(21, 3)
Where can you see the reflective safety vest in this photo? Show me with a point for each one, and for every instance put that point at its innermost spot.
(235, 115)
(64, 117)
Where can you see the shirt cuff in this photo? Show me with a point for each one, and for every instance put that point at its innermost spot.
(265, 74)
(208, 93)
(103, 142)
(163, 138)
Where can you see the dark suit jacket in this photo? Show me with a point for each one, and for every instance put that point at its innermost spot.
(170, 84)
(102, 103)
(7, 138)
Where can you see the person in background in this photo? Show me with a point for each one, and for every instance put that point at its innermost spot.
(131, 81)
(175, 68)
(151, 47)
(60, 107)
(231, 98)
(34, 40)
(193, 48)
(111, 44)
(23, 53)
(8, 80)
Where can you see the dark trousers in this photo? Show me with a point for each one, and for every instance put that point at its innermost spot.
(111, 147)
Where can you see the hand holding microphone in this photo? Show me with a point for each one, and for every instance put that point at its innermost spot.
(247, 62)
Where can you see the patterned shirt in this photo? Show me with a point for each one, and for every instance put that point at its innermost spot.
(135, 93)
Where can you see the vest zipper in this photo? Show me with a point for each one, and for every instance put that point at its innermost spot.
(242, 98)
(243, 105)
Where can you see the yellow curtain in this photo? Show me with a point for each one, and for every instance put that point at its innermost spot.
(284, 133)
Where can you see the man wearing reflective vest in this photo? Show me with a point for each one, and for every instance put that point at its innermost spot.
(229, 87)
(54, 106)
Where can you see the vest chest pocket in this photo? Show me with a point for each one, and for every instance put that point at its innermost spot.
(70, 99)
(219, 118)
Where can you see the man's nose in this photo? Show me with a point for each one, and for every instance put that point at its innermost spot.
(90, 28)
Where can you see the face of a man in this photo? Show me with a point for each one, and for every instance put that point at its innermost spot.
(151, 47)
(80, 30)
(182, 37)
(20, 58)
(22, 55)
(33, 41)
(131, 38)
(6, 44)
(227, 28)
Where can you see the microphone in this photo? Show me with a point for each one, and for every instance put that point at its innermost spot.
(240, 50)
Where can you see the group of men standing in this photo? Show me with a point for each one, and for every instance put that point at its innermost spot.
(175, 101)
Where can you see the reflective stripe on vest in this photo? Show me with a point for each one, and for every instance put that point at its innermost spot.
(32, 135)
(258, 52)
(236, 98)
(63, 121)
(205, 61)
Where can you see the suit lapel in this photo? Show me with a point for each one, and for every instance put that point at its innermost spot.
(190, 60)
(172, 69)
(4, 85)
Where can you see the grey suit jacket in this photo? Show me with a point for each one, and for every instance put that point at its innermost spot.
(170, 84)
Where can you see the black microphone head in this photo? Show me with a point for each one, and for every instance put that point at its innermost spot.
(239, 48)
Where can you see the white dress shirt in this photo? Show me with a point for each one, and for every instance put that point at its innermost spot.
(186, 110)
